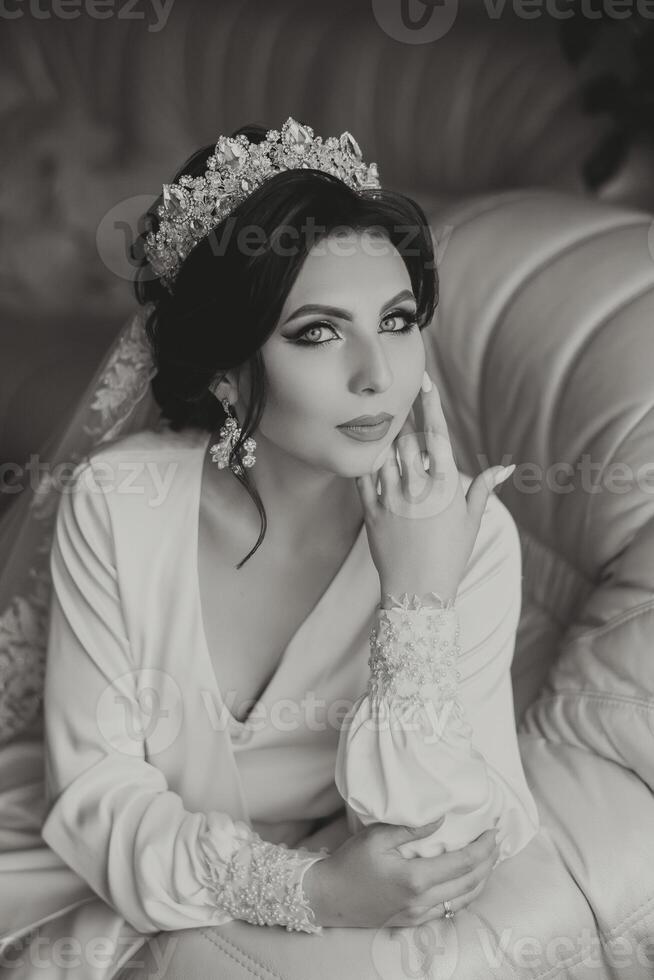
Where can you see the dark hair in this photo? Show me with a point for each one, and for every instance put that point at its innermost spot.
(226, 300)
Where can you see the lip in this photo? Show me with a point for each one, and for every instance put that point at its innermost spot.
(367, 420)
(367, 433)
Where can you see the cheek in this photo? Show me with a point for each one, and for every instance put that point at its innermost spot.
(293, 399)
(297, 386)
(409, 367)
(295, 404)
(307, 393)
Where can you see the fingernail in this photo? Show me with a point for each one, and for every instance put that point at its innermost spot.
(504, 473)
(426, 382)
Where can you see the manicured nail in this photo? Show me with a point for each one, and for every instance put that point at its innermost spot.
(426, 382)
(504, 473)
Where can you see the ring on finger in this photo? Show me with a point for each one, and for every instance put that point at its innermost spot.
(443, 910)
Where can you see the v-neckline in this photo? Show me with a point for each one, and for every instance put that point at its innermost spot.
(241, 726)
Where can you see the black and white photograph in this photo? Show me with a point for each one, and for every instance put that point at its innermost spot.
(327, 490)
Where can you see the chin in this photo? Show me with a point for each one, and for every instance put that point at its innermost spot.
(363, 458)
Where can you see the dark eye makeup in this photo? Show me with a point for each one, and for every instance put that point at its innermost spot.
(408, 316)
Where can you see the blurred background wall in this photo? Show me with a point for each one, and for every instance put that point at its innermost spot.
(102, 101)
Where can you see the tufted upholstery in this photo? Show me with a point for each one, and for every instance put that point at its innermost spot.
(544, 347)
(543, 350)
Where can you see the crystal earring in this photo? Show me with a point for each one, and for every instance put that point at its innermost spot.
(229, 434)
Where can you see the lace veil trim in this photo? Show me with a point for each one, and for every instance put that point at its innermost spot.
(118, 400)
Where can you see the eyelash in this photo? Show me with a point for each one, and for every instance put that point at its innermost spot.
(410, 322)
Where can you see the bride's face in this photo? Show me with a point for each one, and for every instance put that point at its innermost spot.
(344, 358)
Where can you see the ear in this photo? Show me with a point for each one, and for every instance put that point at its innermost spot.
(225, 385)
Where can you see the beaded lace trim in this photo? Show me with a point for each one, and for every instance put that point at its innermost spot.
(413, 645)
(414, 601)
(262, 883)
(122, 383)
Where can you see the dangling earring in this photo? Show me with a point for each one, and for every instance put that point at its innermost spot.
(229, 434)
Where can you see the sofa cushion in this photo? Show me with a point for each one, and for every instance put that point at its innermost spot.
(543, 351)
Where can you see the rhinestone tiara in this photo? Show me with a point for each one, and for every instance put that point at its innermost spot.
(193, 206)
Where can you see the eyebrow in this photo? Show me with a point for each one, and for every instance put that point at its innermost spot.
(345, 314)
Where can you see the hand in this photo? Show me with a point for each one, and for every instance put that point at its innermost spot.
(331, 834)
(366, 883)
(422, 528)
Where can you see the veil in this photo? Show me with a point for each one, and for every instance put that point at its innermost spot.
(118, 400)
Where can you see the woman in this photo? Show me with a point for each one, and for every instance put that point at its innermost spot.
(274, 273)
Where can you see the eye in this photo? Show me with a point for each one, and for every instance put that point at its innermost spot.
(407, 316)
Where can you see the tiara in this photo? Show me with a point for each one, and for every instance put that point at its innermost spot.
(193, 206)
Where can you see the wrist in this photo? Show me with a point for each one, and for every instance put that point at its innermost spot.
(331, 835)
(313, 887)
(416, 597)
(320, 890)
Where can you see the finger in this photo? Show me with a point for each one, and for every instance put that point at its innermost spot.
(460, 891)
(481, 488)
(389, 478)
(397, 834)
(410, 455)
(455, 864)
(432, 409)
(437, 437)
(456, 904)
(365, 485)
(463, 885)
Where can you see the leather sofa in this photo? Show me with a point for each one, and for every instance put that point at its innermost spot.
(542, 348)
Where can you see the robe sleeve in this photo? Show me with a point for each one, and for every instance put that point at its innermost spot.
(434, 734)
(111, 816)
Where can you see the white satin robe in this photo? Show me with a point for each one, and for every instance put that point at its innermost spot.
(128, 778)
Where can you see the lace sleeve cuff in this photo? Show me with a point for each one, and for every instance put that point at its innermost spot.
(262, 883)
(413, 650)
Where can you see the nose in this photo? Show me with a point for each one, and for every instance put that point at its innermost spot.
(370, 369)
